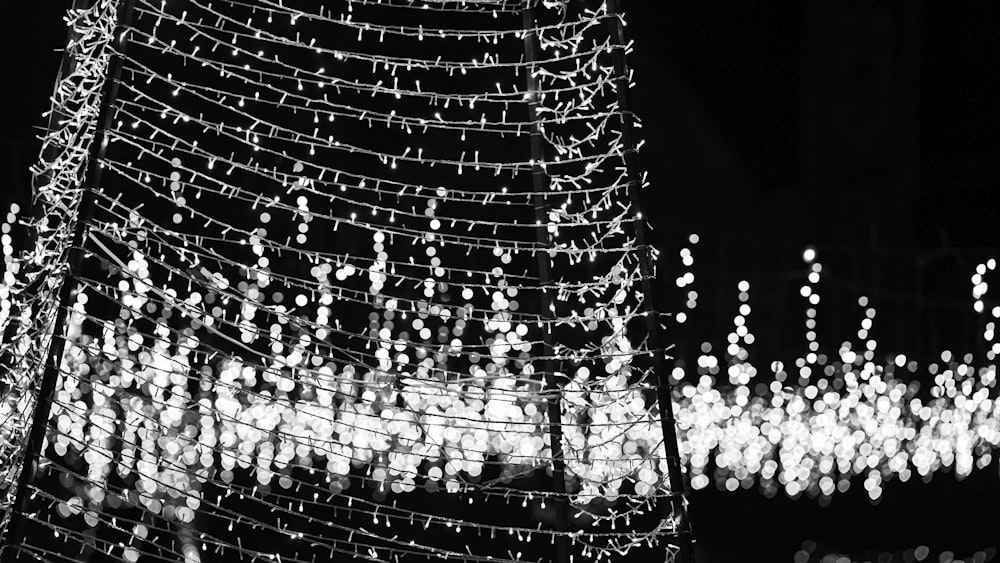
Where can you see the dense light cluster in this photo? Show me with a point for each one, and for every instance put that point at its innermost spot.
(29, 291)
(335, 259)
(812, 424)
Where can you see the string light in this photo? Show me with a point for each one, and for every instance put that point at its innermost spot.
(29, 298)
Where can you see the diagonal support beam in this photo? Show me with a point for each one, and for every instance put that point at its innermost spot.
(540, 184)
(675, 477)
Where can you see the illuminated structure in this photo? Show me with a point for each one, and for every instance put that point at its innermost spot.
(356, 280)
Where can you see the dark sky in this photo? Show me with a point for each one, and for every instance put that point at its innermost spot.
(873, 128)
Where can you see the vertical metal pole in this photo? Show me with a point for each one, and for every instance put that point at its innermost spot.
(663, 390)
(43, 404)
(539, 187)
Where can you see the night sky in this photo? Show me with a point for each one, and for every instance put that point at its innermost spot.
(868, 130)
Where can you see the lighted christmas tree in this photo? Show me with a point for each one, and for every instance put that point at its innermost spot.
(352, 280)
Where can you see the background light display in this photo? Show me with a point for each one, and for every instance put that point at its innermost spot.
(808, 425)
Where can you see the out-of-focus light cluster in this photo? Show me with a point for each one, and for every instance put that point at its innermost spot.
(812, 425)
(336, 259)
(812, 552)
(685, 280)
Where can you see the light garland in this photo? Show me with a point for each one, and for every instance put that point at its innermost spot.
(32, 276)
(322, 274)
